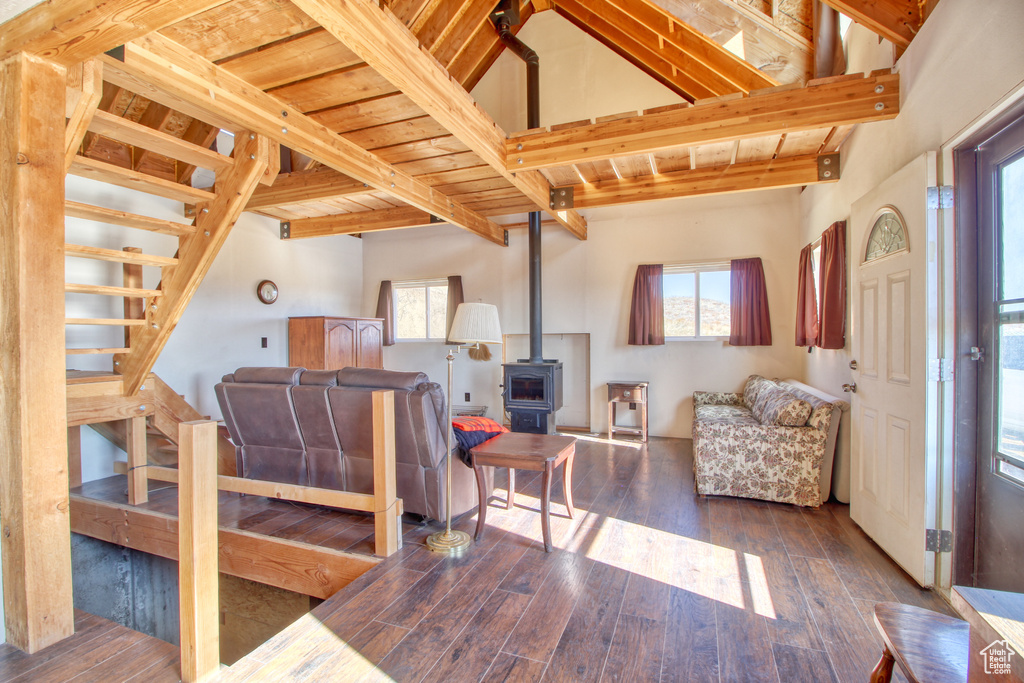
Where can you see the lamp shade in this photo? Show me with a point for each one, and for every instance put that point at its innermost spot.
(475, 323)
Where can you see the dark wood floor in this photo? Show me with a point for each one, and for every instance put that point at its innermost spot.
(100, 650)
(649, 582)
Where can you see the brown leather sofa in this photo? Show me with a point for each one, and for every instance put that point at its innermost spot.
(313, 427)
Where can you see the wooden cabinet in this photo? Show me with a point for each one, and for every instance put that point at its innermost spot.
(327, 343)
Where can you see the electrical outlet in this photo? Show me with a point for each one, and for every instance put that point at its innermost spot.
(467, 396)
(263, 342)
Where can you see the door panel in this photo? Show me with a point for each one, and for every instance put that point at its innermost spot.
(1000, 419)
(892, 498)
(869, 329)
(899, 333)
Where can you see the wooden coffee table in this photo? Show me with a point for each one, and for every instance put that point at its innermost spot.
(518, 451)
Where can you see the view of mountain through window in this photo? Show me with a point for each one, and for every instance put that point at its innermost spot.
(697, 302)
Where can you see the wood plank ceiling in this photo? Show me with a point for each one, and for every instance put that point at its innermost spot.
(739, 124)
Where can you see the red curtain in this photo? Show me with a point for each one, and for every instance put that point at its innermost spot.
(806, 305)
(386, 310)
(751, 323)
(832, 288)
(647, 310)
(455, 297)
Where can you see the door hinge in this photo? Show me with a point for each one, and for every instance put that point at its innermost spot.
(938, 540)
(940, 370)
(940, 197)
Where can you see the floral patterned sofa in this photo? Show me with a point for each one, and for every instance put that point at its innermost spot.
(774, 442)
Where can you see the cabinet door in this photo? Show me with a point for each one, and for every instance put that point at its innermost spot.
(342, 342)
(371, 348)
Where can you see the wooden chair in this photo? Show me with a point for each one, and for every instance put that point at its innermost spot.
(928, 646)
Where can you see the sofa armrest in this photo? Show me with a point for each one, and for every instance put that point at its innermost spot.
(717, 398)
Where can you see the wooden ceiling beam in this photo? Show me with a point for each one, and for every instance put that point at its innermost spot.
(301, 187)
(753, 175)
(72, 32)
(203, 86)
(392, 50)
(834, 102)
(358, 223)
(682, 56)
(895, 20)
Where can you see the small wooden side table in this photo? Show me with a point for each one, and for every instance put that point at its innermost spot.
(627, 392)
(522, 451)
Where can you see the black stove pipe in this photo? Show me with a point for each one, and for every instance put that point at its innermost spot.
(528, 55)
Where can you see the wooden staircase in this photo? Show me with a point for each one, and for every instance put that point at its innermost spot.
(150, 315)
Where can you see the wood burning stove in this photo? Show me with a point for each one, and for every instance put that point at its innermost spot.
(532, 393)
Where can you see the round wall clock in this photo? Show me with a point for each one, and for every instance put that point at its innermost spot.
(888, 234)
(267, 291)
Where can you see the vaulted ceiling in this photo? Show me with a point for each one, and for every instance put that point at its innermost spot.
(369, 103)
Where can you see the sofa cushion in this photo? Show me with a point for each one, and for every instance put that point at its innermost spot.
(380, 379)
(737, 415)
(780, 407)
(756, 385)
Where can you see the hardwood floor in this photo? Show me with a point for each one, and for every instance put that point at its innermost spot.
(100, 650)
(649, 582)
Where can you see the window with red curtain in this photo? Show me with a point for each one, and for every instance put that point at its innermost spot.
(751, 322)
(832, 288)
(806, 300)
(647, 309)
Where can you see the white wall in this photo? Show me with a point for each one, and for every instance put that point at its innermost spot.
(966, 58)
(579, 79)
(587, 288)
(222, 328)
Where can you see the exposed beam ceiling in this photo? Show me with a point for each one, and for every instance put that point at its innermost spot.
(683, 59)
(896, 20)
(834, 102)
(305, 186)
(208, 89)
(386, 45)
(71, 32)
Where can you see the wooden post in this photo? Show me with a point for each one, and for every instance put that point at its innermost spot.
(387, 535)
(36, 536)
(74, 456)
(138, 484)
(134, 307)
(197, 550)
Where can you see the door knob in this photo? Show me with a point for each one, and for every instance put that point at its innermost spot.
(850, 388)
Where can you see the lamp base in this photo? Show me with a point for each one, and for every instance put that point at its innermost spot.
(452, 542)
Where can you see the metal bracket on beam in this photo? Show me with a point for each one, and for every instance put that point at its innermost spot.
(828, 166)
(286, 230)
(435, 219)
(506, 237)
(117, 53)
(561, 198)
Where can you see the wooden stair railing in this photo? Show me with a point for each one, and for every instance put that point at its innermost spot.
(169, 411)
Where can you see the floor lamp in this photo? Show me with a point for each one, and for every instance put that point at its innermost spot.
(472, 325)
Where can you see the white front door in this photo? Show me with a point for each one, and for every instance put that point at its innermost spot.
(893, 483)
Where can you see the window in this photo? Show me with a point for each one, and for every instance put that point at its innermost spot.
(697, 301)
(421, 309)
